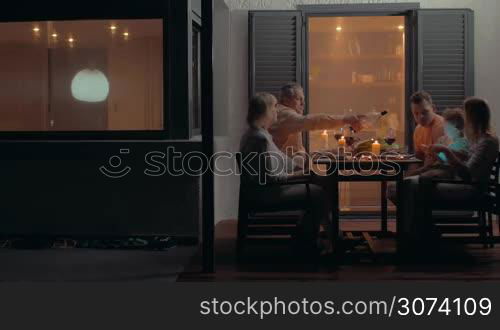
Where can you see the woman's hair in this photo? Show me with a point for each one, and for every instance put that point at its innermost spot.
(477, 118)
(456, 117)
(258, 106)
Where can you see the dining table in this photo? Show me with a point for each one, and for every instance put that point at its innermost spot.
(383, 169)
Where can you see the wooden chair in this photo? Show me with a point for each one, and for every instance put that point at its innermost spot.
(494, 197)
(256, 223)
(480, 220)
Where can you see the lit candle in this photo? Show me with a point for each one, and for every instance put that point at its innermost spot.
(376, 148)
(325, 138)
(342, 142)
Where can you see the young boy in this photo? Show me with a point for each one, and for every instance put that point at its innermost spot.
(454, 122)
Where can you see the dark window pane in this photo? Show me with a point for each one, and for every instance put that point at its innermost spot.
(196, 81)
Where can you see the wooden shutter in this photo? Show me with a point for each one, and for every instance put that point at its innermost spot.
(275, 39)
(446, 55)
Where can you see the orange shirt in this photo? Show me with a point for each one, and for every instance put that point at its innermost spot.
(428, 135)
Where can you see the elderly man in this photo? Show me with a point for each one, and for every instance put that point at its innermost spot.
(287, 130)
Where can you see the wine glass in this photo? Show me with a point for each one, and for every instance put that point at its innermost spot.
(390, 137)
(349, 137)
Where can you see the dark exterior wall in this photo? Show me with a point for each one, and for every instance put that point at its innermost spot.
(57, 188)
(54, 187)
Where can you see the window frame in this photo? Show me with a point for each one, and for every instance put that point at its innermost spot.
(175, 104)
(196, 131)
(400, 9)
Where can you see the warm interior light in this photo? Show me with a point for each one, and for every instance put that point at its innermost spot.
(54, 35)
(36, 29)
(71, 40)
(401, 27)
(113, 27)
(339, 28)
(126, 34)
(90, 85)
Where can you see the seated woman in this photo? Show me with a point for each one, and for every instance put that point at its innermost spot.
(475, 172)
(264, 165)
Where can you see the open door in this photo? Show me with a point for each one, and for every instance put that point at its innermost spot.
(357, 64)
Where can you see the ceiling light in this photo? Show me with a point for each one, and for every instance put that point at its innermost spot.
(401, 27)
(36, 29)
(54, 35)
(339, 28)
(126, 34)
(71, 39)
(113, 27)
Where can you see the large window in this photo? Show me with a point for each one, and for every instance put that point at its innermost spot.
(357, 65)
(86, 75)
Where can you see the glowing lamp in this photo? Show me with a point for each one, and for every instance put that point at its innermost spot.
(90, 85)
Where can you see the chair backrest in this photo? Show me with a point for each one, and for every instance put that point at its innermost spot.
(243, 194)
(494, 176)
(238, 161)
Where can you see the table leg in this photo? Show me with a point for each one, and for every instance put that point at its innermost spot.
(335, 209)
(399, 212)
(383, 203)
(335, 204)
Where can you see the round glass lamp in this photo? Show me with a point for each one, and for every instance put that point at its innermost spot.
(90, 85)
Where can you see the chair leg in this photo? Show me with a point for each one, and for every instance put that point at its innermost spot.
(498, 220)
(490, 230)
(483, 229)
(242, 233)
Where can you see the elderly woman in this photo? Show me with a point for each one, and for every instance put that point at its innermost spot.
(475, 171)
(264, 166)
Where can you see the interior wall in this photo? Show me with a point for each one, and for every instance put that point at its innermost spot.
(23, 87)
(136, 80)
(487, 46)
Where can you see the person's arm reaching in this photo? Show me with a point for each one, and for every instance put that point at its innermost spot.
(294, 122)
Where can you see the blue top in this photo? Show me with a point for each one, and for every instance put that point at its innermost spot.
(458, 145)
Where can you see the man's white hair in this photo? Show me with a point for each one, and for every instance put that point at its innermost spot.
(289, 91)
